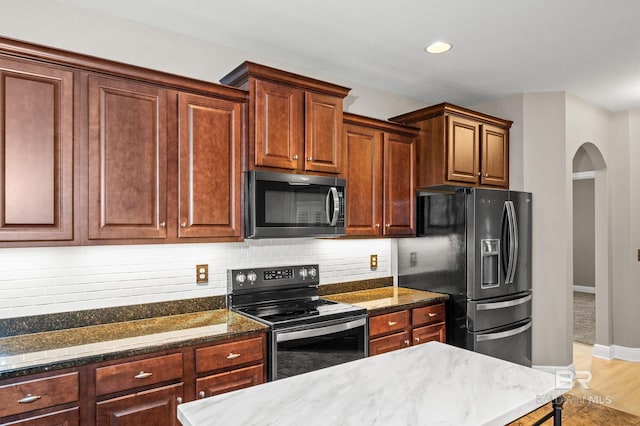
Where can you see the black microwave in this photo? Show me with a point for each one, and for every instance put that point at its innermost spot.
(283, 205)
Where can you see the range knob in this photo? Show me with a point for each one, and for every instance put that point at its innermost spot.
(252, 277)
(313, 272)
(303, 273)
(241, 277)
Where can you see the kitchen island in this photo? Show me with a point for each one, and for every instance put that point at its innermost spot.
(427, 384)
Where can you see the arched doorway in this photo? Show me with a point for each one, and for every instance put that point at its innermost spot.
(591, 242)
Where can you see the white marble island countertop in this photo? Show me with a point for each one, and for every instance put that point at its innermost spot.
(429, 384)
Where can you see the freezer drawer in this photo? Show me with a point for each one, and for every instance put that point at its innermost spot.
(510, 343)
(491, 313)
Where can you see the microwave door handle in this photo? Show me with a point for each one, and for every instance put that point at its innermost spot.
(332, 217)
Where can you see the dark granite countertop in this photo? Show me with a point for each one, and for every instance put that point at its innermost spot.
(388, 299)
(51, 350)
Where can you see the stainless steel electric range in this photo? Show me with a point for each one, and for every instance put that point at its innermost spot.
(306, 332)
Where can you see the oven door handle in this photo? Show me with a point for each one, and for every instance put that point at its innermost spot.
(283, 336)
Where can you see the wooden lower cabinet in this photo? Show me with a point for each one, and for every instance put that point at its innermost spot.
(229, 381)
(69, 417)
(400, 329)
(153, 407)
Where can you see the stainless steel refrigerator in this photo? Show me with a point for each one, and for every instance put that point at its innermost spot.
(475, 245)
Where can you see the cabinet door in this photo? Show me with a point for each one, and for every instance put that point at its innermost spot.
(70, 417)
(153, 407)
(278, 131)
(127, 159)
(323, 133)
(429, 333)
(495, 157)
(210, 138)
(230, 381)
(389, 343)
(36, 152)
(399, 195)
(462, 150)
(363, 166)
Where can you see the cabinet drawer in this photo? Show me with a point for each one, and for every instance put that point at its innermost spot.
(428, 314)
(389, 343)
(387, 323)
(40, 393)
(429, 333)
(229, 354)
(230, 381)
(130, 375)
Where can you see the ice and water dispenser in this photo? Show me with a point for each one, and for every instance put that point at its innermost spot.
(490, 251)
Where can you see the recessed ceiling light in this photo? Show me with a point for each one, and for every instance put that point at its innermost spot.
(438, 47)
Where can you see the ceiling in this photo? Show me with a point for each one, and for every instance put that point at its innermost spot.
(590, 48)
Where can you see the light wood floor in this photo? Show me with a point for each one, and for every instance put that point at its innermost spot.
(615, 383)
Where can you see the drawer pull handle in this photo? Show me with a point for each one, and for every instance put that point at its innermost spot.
(202, 394)
(29, 399)
(179, 400)
(432, 314)
(143, 375)
(232, 355)
(392, 323)
(406, 342)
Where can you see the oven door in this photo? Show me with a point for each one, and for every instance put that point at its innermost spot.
(312, 347)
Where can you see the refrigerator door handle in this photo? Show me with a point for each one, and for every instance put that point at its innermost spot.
(501, 305)
(513, 243)
(503, 334)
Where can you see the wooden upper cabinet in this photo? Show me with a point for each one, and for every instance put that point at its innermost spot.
(364, 175)
(323, 133)
(462, 149)
(495, 156)
(295, 122)
(210, 143)
(36, 152)
(458, 146)
(278, 134)
(379, 160)
(127, 159)
(400, 194)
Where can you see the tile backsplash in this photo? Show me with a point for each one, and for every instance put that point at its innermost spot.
(36, 281)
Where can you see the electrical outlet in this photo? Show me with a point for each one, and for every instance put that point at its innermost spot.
(373, 261)
(202, 274)
(413, 258)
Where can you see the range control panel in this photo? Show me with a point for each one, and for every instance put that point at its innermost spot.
(273, 277)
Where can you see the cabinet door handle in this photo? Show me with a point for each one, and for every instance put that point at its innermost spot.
(163, 224)
(309, 158)
(179, 400)
(183, 225)
(295, 157)
(391, 323)
(406, 342)
(377, 226)
(232, 355)
(29, 399)
(479, 173)
(388, 225)
(202, 394)
(143, 375)
(417, 339)
(432, 314)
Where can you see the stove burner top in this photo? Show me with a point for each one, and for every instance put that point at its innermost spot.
(287, 310)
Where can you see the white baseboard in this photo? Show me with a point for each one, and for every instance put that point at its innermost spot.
(616, 352)
(584, 289)
(553, 368)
